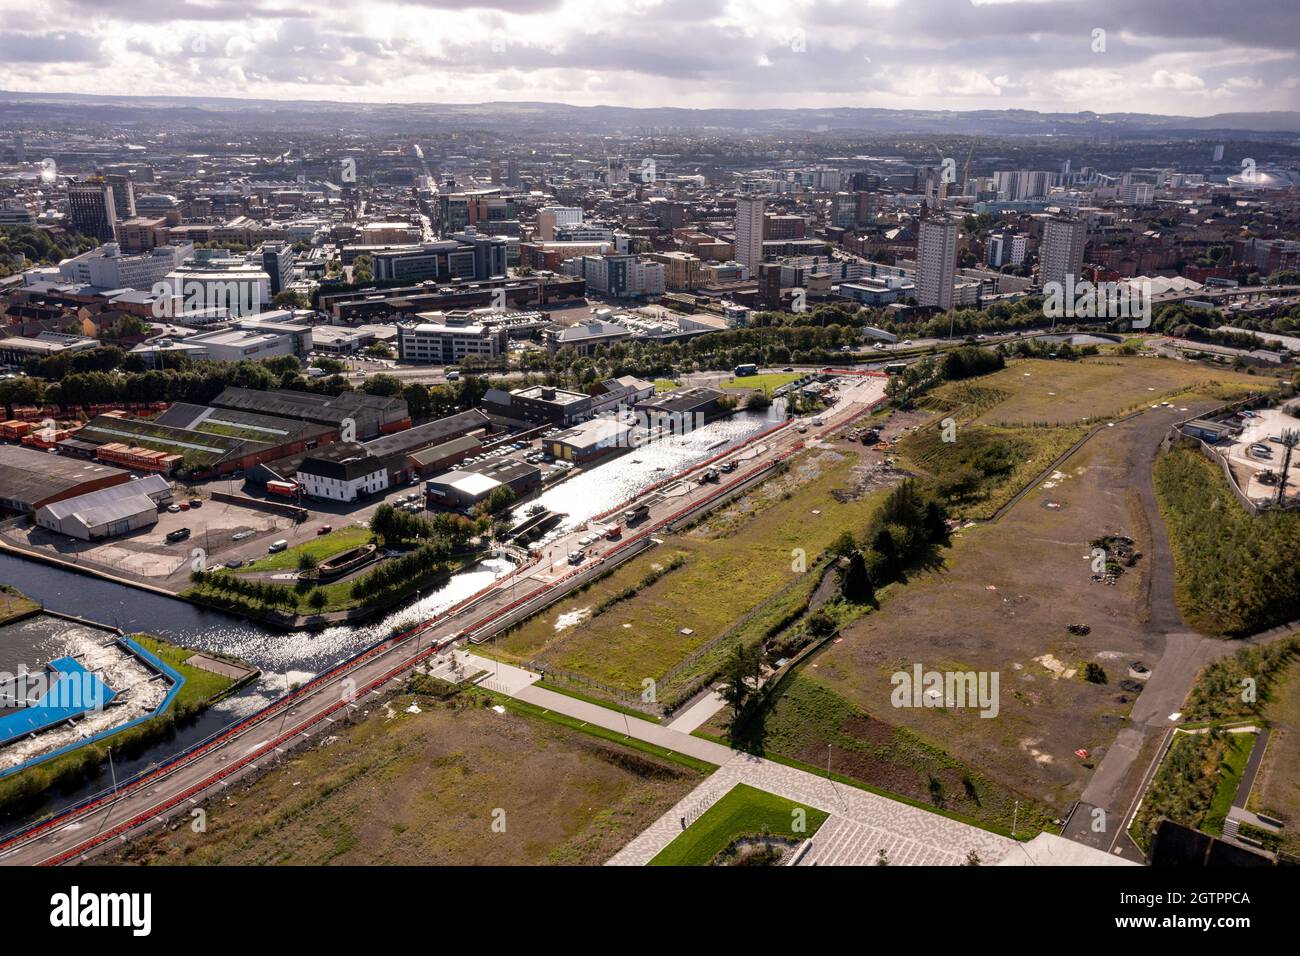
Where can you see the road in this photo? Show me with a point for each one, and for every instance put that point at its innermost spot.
(180, 785)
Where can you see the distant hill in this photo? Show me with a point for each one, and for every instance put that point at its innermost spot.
(216, 112)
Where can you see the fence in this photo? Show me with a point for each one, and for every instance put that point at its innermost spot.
(1177, 437)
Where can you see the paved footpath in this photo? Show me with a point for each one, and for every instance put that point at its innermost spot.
(861, 822)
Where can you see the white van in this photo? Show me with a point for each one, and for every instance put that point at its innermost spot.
(277, 546)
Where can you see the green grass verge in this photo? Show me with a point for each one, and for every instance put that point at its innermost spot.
(1235, 572)
(744, 811)
(1230, 772)
(321, 547)
(14, 604)
(766, 381)
(613, 736)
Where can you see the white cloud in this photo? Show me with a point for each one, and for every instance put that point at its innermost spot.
(1161, 56)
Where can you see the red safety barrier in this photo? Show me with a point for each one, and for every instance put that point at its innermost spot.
(308, 688)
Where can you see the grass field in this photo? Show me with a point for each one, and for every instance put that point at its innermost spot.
(743, 812)
(1277, 788)
(418, 781)
(14, 604)
(731, 563)
(1001, 605)
(1045, 392)
(989, 463)
(200, 685)
(1195, 770)
(1236, 572)
(808, 717)
(1235, 755)
(321, 547)
(765, 381)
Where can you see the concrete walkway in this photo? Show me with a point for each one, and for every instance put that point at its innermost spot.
(861, 822)
(908, 834)
(698, 714)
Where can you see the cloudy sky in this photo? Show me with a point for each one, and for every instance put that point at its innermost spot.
(1193, 57)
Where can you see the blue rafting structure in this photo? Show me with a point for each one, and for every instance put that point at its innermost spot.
(72, 691)
(76, 700)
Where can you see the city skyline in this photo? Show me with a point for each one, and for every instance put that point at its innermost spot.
(1044, 55)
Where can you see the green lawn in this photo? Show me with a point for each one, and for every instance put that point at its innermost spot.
(744, 811)
(322, 547)
(14, 604)
(1235, 573)
(1234, 765)
(641, 637)
(766, 381)
(200, 685)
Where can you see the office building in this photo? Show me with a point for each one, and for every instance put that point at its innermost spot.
(550, 217)
(277, 263)
(440, 338)
(109, 268)
(1005, 248)
(92, 210)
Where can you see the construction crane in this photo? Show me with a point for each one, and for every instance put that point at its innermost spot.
(965, 172)
(1289, 439)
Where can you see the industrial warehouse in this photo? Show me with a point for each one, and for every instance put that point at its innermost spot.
(108, 512)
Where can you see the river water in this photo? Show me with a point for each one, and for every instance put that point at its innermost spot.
(289, 657)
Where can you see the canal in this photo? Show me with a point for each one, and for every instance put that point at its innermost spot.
(287, 658)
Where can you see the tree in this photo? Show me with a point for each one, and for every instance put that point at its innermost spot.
(741, 674)
(819, 624)
(855, 582)
(384, 385)
(885, 555)
(316, 600)
(498, 500)
(307, 561)
(289, 299)
(844, 545)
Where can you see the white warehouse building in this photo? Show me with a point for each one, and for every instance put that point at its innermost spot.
(108, 512)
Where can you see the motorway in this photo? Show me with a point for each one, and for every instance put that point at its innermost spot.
(178, 786)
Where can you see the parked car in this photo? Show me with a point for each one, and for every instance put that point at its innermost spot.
(196, 502)
(174, 509)
(234, 563)
(183, 505)
(325, 529)
(277, 546)
(728, 466)
(241, 535)
(576, 557)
